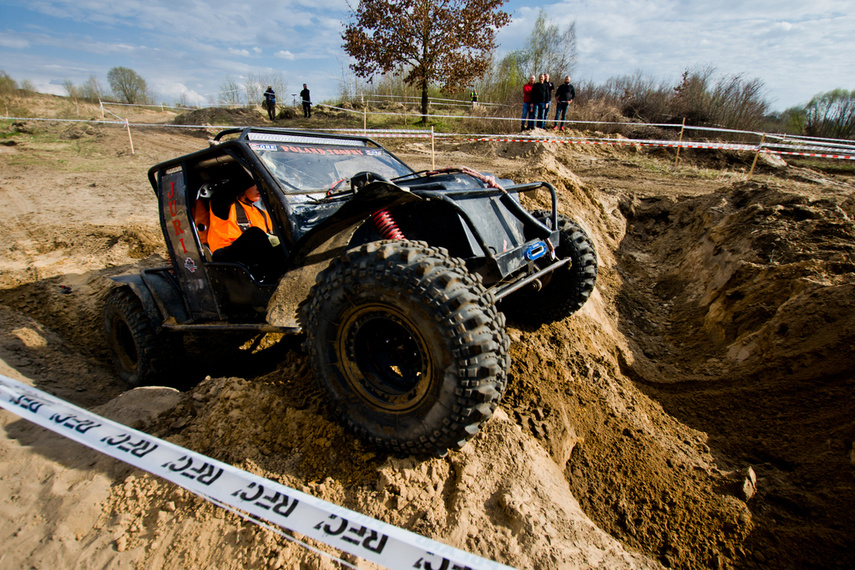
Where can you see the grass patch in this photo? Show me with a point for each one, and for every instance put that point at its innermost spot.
(826, 165)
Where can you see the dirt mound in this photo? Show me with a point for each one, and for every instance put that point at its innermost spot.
(219, 116)
(697, 412)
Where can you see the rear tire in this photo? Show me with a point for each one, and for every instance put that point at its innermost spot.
(565, 290)
(408, 345)
(141, 356)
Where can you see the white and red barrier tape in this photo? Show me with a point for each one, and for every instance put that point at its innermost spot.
(768, 148)
(225, 485)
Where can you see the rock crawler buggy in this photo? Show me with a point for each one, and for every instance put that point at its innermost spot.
(392, 275)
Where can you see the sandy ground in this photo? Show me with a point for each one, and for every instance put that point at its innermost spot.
(717, 346)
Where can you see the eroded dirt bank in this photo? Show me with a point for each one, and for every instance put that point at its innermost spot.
(718, 339)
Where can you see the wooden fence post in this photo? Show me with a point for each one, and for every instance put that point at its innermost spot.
(756, 156)
(677, 159)
(128, 126)
(432, 153)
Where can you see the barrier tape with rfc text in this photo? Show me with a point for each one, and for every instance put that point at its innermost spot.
(282, 506)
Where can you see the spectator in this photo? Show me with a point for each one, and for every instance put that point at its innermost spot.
(538, 98)
(270, 102)
(306, 98)
(527, 110)
(565, 95)
(473, 96)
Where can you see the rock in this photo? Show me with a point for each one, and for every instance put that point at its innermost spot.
(742, 483)
(749, 485)
(772, 160)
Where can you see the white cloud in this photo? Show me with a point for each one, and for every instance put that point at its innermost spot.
(9, 40)
(285, 54)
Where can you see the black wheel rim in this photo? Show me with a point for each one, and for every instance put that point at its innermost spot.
(385, 359)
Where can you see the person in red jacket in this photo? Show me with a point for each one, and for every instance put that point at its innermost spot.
(246, 235)
(527, 119)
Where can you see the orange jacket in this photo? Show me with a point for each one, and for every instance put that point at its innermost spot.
(223, 232)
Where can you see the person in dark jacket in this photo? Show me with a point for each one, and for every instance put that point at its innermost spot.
(306, 98)
(539, 92)
(270, 102)
(564, 95)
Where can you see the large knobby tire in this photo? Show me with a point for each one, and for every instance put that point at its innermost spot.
(141, 356)
(408, 344)
(564, 291)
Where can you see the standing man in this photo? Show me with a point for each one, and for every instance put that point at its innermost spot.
(565, 95)
(270, 99)
(306, 97)
(538, 100)
(527, 110)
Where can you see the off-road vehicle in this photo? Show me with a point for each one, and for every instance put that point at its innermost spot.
(392, 275)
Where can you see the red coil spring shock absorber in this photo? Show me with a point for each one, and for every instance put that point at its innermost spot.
(386, 225)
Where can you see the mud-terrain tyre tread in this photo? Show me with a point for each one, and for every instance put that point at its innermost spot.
(567, 289)
(141, 356)
(453, 319)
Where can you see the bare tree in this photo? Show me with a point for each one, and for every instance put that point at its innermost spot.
(444, 42)
(548, 50)
(92, 90)
(257, 83)
(551, 50)
(831, 114)
(71, 89)
(230, 93)
(8, 86)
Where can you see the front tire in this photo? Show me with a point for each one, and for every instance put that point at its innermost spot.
(408, 345)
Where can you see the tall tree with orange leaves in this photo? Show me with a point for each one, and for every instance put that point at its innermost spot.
(442, 42)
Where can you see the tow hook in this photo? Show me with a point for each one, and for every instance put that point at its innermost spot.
(535, 251)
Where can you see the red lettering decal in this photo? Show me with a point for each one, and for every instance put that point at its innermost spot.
(177, 225)
(171, 190)
(173, 208)
(184, 247)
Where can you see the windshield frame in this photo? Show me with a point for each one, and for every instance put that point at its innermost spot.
(311, 167)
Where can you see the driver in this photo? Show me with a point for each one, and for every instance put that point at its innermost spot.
(246, 235)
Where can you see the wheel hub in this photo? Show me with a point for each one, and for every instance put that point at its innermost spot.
(386, 359)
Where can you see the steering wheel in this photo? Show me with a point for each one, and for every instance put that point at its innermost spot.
(362, 179)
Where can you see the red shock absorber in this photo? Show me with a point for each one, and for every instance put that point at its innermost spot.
(386, 225)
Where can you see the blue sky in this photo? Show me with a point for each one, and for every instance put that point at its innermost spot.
(796, 48)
